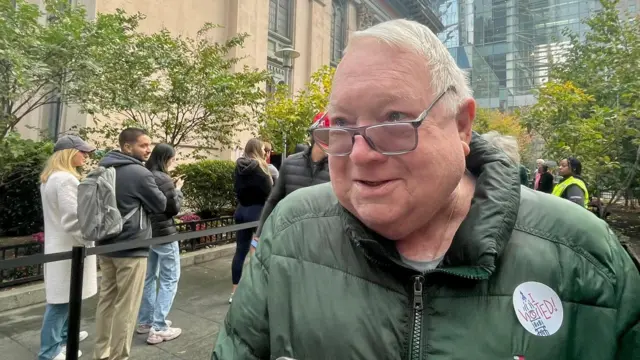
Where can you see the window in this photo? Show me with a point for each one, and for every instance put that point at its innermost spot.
(55, 117)
(280, 17)
(278, 76)
(338, 30)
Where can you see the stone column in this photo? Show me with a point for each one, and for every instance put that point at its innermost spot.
(314, 42)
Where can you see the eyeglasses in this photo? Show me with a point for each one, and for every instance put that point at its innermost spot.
(393, 138)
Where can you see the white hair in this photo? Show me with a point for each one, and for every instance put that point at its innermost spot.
(506, 143)
(416, 37)
(540, 162)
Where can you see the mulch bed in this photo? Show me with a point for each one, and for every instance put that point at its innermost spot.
(627, 222)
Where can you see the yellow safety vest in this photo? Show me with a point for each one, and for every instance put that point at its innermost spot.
(559, 189)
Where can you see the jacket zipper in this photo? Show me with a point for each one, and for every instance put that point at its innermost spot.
(415, 344)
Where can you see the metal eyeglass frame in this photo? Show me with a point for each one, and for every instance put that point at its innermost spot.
(362, 130)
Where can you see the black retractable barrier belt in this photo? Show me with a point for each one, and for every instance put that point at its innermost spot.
(120, 246)
(34, 260)
(127, 245)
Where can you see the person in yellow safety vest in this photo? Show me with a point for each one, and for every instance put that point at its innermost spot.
(572, 187)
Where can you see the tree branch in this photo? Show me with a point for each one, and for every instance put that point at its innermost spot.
(37, 104)
(628, 181)
(30, 97)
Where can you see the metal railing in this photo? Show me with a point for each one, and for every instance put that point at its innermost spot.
(79, 253)
(23, 274)
(199, 242)
(26, 274)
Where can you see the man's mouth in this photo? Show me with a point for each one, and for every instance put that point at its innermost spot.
(372, 183)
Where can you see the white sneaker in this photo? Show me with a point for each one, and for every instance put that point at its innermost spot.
(63, 355)
(156, 337)
(144, 329)
(82, 335)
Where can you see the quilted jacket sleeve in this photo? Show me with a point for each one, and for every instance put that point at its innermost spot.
(245, 333)
(629, 307)
(168, 188)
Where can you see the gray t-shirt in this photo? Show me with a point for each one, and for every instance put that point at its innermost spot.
(422, 266)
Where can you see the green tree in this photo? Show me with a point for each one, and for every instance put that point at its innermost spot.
(183, 90)
(20, 204)
(41, 62)
(506, 124)
(289, 117)
(590, 108)
(564, 119)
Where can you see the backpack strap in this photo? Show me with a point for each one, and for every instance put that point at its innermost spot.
(130, 214)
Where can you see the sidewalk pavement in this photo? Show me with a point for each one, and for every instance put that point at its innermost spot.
(199, 309)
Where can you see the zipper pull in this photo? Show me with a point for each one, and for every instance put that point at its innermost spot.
(418, 280)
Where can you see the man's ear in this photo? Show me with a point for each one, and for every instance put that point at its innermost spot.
(464, 119)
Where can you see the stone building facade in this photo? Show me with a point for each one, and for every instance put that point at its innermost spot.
(318, 30)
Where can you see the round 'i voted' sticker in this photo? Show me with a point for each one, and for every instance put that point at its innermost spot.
(538, 308)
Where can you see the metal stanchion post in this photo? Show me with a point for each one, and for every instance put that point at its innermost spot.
(75, 301)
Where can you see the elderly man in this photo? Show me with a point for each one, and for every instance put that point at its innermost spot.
(509, 145)
(424, 245)
(538, 174)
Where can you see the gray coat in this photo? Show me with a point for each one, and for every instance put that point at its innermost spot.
(135, 188)
(297, 171)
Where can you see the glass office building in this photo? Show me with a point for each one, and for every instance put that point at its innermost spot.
(507, 45)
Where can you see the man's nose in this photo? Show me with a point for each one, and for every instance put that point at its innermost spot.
(362, 153)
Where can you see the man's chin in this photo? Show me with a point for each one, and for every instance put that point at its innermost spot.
(381, 218)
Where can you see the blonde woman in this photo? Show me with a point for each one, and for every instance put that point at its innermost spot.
(252, 185)
(59, 191)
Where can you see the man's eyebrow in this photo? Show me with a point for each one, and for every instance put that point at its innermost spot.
(381, 100)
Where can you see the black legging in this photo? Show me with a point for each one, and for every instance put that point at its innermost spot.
(243, 238)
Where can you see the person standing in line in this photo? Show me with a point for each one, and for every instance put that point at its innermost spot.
(164, 259)
(546, 180)
(267, 156)
(538, 174)
(59, 192)
(299, 170)
(252, 185)
(123, 272)
(509, 145)
(572, 187)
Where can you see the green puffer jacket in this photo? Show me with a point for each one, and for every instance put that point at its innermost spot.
(322, 286)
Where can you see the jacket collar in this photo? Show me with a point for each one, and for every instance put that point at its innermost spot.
(307, 156)
(485, 231)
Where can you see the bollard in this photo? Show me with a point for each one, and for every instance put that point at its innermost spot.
(75, 301)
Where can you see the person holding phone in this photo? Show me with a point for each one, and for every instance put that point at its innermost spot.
(163, 265)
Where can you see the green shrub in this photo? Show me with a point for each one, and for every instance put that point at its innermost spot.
(20, 166)
(208, 187)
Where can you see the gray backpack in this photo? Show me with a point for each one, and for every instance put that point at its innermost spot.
(98, 212)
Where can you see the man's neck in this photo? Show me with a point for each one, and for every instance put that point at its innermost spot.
(131, 155)
(434, 239)
(317, 154)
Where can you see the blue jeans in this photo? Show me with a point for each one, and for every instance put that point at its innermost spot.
(243, 238)
(54, 330)
(163, 265)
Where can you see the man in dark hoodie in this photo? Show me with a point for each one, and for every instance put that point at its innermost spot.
(123, 272)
